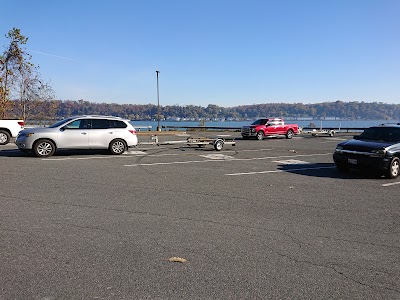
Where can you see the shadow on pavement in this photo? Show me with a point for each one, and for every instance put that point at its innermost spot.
(12, 153)
(326, 170)
(17, 153)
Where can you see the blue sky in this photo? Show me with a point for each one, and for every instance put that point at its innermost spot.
(219, 52)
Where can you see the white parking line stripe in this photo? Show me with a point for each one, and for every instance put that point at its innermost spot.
(257, 150)
(134, 153)
(392, 183)
(336, 139)
(67, 158)
(225, 160)
(291, 162)
(278, 171)
(173, 163)
(290, 156)
(166, 154)
(88, 158)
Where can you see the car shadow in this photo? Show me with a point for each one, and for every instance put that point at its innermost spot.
(12, 153)
(18, 153)
(326, 170)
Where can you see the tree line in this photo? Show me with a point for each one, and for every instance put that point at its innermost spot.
(58, 109)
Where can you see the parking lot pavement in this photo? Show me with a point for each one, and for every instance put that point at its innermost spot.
(269, 219)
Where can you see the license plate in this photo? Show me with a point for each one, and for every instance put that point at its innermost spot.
(352, 161)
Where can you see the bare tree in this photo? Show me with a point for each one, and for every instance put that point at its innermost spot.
(42, 96)
(33, 92)
(20, 78)
(13, 62)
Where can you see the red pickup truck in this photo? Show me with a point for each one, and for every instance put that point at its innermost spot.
(269, 127)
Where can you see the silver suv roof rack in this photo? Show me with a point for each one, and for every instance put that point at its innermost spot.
(98, 116)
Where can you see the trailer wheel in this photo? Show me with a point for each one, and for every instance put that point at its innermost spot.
(331, 133)
(218, 144)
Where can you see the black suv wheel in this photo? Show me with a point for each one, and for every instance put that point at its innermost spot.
(394, 168)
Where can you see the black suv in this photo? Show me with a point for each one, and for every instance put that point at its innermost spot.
(377, 148)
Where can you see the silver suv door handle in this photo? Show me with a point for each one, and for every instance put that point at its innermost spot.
(84, 133)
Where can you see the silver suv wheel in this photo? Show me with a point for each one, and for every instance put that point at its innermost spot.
(44, 148)
(117, 147)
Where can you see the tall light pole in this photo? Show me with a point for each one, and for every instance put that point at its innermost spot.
(158, 104)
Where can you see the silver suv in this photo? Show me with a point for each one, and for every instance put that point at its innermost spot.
(79, 132)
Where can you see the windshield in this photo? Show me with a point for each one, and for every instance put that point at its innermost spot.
(387, 134)
(59, 123)
(260, 122)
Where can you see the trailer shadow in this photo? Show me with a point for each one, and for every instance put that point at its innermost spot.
(326, 170)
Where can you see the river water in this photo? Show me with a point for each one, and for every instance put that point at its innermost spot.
(337, 124)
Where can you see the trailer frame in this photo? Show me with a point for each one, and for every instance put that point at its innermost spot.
(217, 142)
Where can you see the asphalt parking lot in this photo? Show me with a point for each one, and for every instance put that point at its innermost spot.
(269, 219)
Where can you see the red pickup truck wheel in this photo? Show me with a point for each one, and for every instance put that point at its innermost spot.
(289, 134)
(260, 135)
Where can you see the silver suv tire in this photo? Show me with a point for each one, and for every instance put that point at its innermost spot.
(117, 147)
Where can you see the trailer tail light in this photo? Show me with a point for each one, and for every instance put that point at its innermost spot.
(22, 124)
(132, 131)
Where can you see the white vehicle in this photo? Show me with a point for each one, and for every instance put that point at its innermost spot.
(9, 129)
(79, 132)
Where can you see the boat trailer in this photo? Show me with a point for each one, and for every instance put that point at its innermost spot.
(217, 142)
(329, 132)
